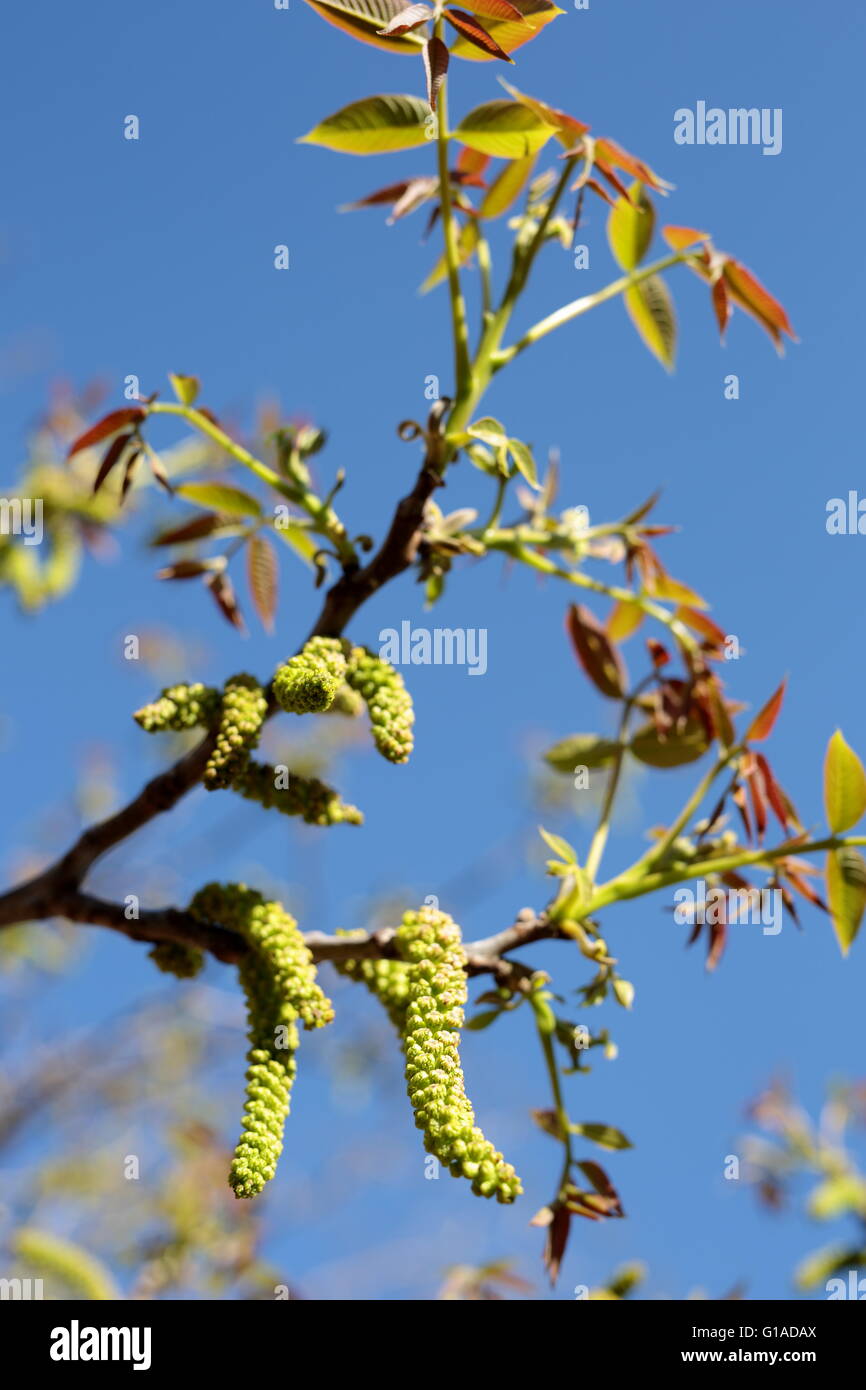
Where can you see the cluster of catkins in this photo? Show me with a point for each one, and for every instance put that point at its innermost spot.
(329, 674)
(278, 978)
(312, 681)
(423, 989)
(424, 993)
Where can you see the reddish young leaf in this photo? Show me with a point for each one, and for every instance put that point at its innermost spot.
(129, 472)
(643, 510)
(718, 937)
(186, 569)
(557, 1240)
(158, 471)
(679, 238)
(435, 66)
(742, 805)
(224, 596)
(410, 18)
(613, 179)
(497, 9)
(262, 571)
(751, 295)
(775, 795)
(471, 163)
(112, 455)
(197, 529)
(602, 192)
(659, 654)
(762, 725)
(699, 622)
(599, 658)
(473, 30)
(568, 129)
(721, 305)
(108, 425)
(612, 153)
(754, 782)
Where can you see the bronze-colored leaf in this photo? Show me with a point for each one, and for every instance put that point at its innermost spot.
(473, 30)
(762, 725)
(435, 66)
(108, 425)
(203, 525)
(112, 456)
(596, 653)
(262, 571)
(224, 596)
(407, 19)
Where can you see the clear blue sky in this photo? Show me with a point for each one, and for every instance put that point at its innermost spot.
(119, 257)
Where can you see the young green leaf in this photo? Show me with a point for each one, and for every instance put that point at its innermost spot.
(507, 186)
(606, 1136)
(651, 310)
(524, 462)
(186, 388)
(844, 785)
(504, 129)
(846, 894)
(630, 227)
(221, 497)
(559, 846)
(374, 125)
(581, 750)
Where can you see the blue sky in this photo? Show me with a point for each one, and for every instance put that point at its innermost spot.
(145, 257)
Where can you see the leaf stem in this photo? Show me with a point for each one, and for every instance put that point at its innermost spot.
(582, 306)
(458, 303)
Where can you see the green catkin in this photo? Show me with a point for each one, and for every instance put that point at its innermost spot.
(243, 711)
(314, 801)
(74, 1267)
(173, 958)
(310, 682)
(180, 707)
(431, 945)
(279, 983)
(389, 703)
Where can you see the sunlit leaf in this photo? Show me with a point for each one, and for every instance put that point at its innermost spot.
(504, 129)
(844, 785)
(679, 238)
(186, 388)
(298, 538)
(567, 129)
(611, 153)
(630, 227)
(373, 125)
(624, 619)
(473, 30)
(560, 847)
(751, 295)
(651, 310)
(846, 894)
(221, 497)
(510, 34)
(507, 186)
(363, 19)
